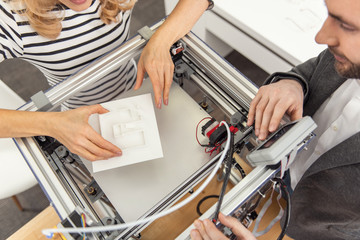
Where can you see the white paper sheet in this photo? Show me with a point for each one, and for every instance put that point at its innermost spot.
(131, 125)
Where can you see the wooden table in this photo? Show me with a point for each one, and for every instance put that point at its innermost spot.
(168, 227)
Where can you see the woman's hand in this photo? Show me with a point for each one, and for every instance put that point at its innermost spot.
(155, 59)
(272, 102)
(72, 129)
(206, 230)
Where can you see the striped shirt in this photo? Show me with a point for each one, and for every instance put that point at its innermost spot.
(84, 37)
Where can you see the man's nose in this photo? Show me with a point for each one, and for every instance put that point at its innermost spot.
(327, 35)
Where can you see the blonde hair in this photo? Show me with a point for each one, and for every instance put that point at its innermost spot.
(47, 22)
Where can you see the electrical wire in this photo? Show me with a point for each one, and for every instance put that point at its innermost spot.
(228, 164)
(241, 170)
(196, 133)
(50, 232)
(202, 200)
(83, 224)
(288, 206)
(212, 150)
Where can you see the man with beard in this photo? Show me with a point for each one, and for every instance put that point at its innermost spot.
(325, 179)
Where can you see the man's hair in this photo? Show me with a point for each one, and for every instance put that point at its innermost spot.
(45, 16)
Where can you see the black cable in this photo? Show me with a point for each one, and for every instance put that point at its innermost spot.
(288, 206)
(202, 200)
(241, 170)
(227, 164)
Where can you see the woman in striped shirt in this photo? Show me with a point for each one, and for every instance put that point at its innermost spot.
(60, 37)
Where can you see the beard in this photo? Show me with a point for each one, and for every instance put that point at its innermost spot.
(346, 69)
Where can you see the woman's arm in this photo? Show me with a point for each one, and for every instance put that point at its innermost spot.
(71, 128)
(155, 58)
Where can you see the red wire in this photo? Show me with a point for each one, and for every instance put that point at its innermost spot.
(207, 150)
(197, 126)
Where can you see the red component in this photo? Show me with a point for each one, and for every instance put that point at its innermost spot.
(179, 50)
(175, 51)
(233, 129)
(211, 131)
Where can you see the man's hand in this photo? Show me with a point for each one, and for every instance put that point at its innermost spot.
(155, 59)
(272, 102)
(206, 230)
(72, 129)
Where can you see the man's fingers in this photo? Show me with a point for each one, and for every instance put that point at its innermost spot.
(212, 231)
(271, 103)
(230, 222)
(206, 230)
(279, 112)
(236, 227)
(266, 118)
(195, 235)
(201, 228)
(252, 110)
(259, 111)
(296, 114)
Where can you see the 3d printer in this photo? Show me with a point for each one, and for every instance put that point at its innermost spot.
(205, 87)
